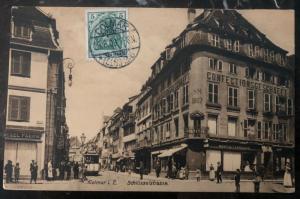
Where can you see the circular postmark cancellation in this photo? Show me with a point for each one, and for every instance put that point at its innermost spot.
(114, 42)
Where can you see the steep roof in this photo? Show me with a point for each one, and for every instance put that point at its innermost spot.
(230, 22)
(44, 33)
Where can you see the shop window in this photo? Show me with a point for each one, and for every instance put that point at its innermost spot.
(19, 108)
(213, 92)
(251, 99)
(232, 126)
(212, 124)
(212, 157)
(231, 161)
(20, 63)
(232, 68)
(232, 97)
(248, 161)
(267, 102)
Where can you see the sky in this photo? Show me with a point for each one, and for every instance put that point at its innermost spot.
(96, 90)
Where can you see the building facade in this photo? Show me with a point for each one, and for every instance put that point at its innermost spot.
(32, 120)
(221, 92)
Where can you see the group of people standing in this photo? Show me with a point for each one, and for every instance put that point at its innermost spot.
(11, 169)
(63, 171)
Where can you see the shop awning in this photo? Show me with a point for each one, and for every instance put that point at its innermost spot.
(158, 152)
(120, 159)
(170, 152)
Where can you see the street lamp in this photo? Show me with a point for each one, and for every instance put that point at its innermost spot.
(69, 63)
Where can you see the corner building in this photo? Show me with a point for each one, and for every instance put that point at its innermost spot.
(222, 92)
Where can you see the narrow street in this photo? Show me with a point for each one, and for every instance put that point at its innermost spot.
(112, 181)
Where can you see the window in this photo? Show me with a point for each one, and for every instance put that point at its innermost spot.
(232, 126)
(246, 128)
(267, 102)
(232, 96)
(176, 127)
(186, 122)
(289, 107)
(272, 56)
(168, 128)
(213, 93)
(280, 104)
(266, 54)
(267, 126)
(20, 63)
(215, 64)
(171, 102)
(215, 40)
(228, 44)
(197, 124)
(232, 68)
(236, 46)
(22, 31)
(247, 72)
(19, 108)
(257, 51)
(212, 124)
(163, 106)
(251, 99)
(250, 50)
(259, 130)
(185, 94)
(176, 99)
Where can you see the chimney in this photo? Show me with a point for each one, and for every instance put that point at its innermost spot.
(191, 15)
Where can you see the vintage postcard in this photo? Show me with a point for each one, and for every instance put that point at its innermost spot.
(150, 99)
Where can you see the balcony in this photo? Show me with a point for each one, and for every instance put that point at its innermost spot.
(201, 133)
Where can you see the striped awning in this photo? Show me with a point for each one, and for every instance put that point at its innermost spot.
(170, 152)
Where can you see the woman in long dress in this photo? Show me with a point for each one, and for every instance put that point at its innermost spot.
(211, 172)
(287, 179)
(50, 169)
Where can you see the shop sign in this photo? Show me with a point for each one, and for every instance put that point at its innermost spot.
(232, 147)
(23, 135)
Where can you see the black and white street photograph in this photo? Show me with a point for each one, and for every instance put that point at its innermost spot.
(150, 99)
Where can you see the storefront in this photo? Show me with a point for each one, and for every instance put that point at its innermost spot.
(23, 146)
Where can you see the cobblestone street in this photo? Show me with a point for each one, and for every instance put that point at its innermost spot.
(113, 181)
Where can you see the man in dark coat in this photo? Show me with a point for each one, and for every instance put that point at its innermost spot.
(219, 173)
(8, 171)
(141, 169)
(157, 168)
(76, 170)
(237, 179)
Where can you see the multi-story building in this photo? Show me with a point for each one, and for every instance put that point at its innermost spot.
(222, 92)
(144, 126)
(129, 137)
(36, 99)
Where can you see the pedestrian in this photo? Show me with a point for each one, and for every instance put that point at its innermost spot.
(31, 171)
(76, 170)
(237, 180)
(17, 172)
(174, 170)
(8, 171)
(50, 170)
(84, 169)
(157, 168)
(187, 172)
(211, 172)
(141, 170)
(287, 179)
(219, 173)
(68, 169)
(256, 181)
(198, 174)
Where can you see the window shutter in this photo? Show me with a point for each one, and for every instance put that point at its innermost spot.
(25, 108)
(13, 108)
(15, 63)
(26, 64)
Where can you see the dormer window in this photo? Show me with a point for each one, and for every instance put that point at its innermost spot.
(215, 40)
(257, 51)
(22, 31)
(250, 49)
(236, 46)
